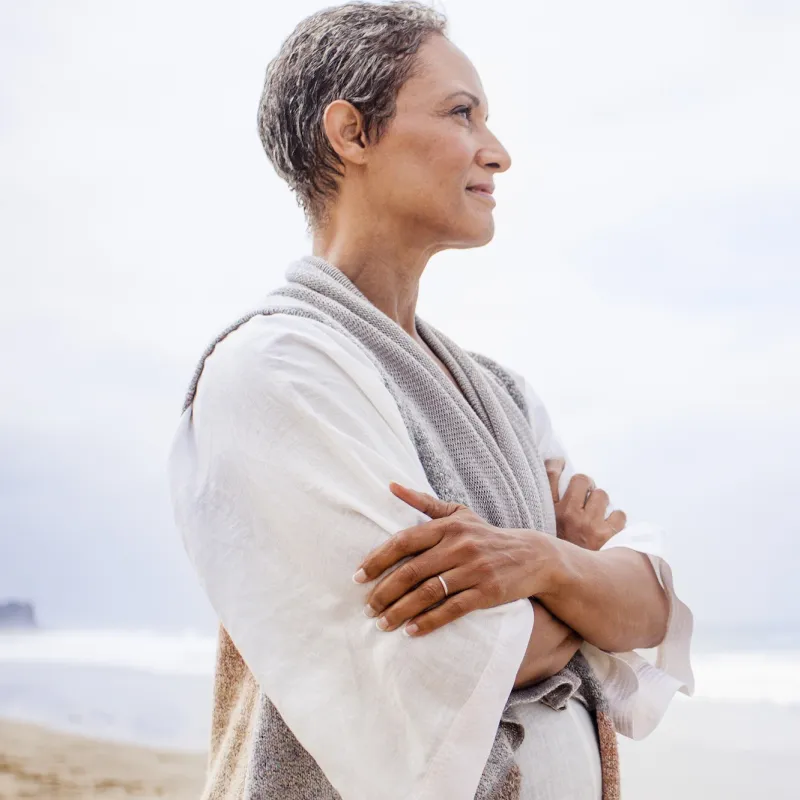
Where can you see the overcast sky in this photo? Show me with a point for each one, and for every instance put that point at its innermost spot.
(643, 275)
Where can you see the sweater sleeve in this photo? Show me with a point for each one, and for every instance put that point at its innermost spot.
(280, 478)
(638, 689)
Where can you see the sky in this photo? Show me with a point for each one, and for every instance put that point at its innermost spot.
(643, 274)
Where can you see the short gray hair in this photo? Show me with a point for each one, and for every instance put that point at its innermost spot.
(361, 52)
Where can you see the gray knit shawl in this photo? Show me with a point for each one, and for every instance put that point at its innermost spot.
(479, 451)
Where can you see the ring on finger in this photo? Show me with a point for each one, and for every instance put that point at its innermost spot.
(444, 591)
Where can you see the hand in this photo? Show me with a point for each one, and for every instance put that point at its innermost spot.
(581, 515)
(482, 565)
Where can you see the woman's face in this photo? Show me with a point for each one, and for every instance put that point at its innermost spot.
(436, 147)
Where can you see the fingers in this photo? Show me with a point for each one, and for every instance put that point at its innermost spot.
(617, 520)
(422, 501)
(597, 503)
(404, 543)
(576, 492)
(554, 467)
(455, 606)
(427, 594)
(408, 575)
(411, 540)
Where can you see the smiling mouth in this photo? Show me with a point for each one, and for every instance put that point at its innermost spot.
(483, 195)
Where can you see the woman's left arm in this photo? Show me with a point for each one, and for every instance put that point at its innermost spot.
(612, 598)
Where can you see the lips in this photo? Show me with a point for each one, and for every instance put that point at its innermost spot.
(484, 192)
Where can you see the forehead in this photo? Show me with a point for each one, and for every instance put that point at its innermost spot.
(441, 70)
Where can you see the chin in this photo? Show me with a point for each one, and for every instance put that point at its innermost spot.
(478, 233)
(467, 229)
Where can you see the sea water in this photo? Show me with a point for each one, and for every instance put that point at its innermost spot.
(155, 689)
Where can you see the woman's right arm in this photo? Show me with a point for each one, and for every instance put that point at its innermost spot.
(280, 477)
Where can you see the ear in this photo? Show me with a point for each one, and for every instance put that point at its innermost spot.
(344, 127)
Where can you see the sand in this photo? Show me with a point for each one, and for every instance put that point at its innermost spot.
(716, 749)
(702, 749)
(43, 764)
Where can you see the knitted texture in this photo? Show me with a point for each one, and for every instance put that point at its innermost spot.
(477, 449)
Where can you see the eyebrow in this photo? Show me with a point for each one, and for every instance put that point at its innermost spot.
(475, 100)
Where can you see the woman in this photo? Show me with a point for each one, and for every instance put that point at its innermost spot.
(334, 434)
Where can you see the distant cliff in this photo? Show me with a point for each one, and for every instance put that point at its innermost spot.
(17, 615)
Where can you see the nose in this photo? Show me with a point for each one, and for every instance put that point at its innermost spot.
(494, 156)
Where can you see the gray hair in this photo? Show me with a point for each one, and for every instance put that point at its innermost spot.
(360, 52)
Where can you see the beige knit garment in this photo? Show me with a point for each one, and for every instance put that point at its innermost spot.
(233, 720)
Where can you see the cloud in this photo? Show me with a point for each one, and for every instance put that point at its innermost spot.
(643, 274)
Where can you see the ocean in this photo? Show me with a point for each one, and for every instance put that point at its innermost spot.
(155, 689)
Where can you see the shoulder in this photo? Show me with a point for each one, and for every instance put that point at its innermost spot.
(264, 352)
(271, 340)
(284, 369)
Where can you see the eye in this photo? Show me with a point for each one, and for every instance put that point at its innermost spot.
(465, 110)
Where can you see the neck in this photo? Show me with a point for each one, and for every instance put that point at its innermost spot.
(384, 266)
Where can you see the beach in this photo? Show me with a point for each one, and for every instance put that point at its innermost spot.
(127, 715)
(703, 749)
(39, 763)
(715, 749)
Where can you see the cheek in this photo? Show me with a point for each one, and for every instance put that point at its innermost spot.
(435, 165)
(448, 161)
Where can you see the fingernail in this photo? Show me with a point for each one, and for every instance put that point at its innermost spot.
(369, 611)
(410, 629)
(382, 623)
(360, 576)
